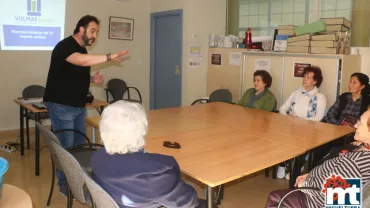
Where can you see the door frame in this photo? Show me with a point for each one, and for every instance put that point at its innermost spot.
(152, 50)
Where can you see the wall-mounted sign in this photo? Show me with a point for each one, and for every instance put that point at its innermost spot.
(299, 69)
(216, 59)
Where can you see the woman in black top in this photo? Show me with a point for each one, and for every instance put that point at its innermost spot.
(351, 104)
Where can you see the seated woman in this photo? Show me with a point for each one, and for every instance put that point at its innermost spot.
(131, 176)
(352, 163)
(350, 104)
(346, 110)
(259, 97)
(307, 102)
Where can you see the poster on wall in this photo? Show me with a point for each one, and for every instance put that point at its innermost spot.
(216, 59)
(195, 50)
(262, 64)
(235, 59)
(299, 69)
(194, 63)
(195, 57)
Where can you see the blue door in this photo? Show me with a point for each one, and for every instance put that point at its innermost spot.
(166, 53)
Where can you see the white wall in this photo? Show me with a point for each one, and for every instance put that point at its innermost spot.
(22, 68)
(365, 59)
(201, 17)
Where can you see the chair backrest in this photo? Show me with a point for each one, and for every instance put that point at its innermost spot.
(48, 135)
(33, 91)
(100, 197)
(221, 95)
(117, 88)
(73, 172)
(280, 205)
(49, 138)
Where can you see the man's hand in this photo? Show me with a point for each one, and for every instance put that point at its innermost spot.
(300, 180)
(97, 78)
(118, 56)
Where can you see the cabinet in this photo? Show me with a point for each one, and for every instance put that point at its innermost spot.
(336, 70)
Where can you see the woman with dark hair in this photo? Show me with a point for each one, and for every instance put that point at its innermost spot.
(350, 104)
(259, 97)
(347, 110)
(307, 102)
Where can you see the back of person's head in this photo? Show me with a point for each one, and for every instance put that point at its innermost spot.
(84, 22)
(364, 80)
(123, 127)
(317, 74)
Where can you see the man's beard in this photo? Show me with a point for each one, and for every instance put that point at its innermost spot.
(86, 40)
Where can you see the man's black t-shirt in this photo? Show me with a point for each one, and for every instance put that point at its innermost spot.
(67, 84)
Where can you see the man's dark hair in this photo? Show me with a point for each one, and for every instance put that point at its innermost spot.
(84, 22)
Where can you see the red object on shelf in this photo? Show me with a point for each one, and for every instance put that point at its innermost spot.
(248, 38)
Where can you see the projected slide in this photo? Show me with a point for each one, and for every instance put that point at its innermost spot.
(31, 24)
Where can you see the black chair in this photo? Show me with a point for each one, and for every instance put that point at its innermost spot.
(117, 88)
(220, 95)
(33, 91)
(82, 153)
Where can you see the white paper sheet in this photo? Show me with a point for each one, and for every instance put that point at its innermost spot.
(235, 59)
(262, 64)
(195, 55)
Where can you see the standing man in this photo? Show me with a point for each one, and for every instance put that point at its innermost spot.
(69, 81)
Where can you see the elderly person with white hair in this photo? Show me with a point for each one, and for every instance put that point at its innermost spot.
(131, 176)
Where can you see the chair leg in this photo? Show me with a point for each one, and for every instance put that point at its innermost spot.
(222, 191)
(28, 133)
(220, 194)
(267, 172)
(52, 182)
(274, 172)
(310, 161)
(92, 201)
(69, 197)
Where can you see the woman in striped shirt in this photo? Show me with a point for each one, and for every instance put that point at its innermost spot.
(347, 164)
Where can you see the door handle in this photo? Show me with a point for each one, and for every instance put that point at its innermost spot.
(177, 70)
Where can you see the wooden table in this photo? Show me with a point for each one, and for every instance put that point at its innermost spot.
(272, 126)
(28, 107)
(164, 122)
(13, 197)
(222, 142)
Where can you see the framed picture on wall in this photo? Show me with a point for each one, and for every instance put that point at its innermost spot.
(121, 28)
